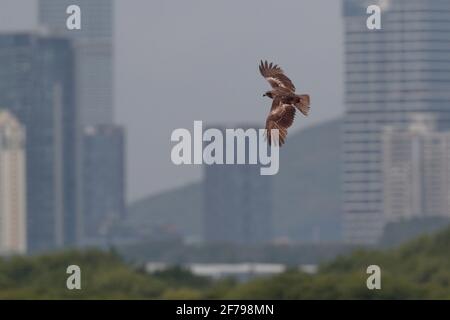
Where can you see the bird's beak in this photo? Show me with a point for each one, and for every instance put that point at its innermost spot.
(264, 95)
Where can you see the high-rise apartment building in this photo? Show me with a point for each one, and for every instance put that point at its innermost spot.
(416, 169)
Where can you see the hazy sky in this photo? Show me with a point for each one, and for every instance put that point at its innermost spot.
(180, 61)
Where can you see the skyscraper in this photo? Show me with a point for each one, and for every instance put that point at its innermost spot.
(237, 203)
(37, 86)
(103, 179)
(93, 53)
(390, 74)
(93, 48)
(13, 226)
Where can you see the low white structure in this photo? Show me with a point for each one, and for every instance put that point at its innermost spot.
(242, 271)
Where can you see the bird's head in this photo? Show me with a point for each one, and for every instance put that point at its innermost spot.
(268, 94)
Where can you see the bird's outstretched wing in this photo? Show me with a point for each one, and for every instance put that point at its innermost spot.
(276, 77)
(281, 117)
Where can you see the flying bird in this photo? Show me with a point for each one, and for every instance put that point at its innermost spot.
(285, 101)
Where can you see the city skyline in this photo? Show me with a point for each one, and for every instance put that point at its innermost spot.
(142, 156)
(59, 85)
(391, 74)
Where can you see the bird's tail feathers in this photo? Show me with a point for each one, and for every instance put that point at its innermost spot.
(303, 104)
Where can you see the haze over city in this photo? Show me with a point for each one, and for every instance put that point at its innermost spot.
(198, 60)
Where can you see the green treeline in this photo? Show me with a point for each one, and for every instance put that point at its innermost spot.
(419, 269)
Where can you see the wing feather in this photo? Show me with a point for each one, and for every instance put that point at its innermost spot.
(275, 76)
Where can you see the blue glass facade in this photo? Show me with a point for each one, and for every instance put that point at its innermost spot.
(103, 180)
(37, 86)
(93, 53)
(237, 202)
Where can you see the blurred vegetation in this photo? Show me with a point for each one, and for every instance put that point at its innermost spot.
(419, 269)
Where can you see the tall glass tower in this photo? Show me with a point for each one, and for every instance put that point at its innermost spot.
(237, 202)
(103, 179)
(93, 51)
(390, 74)
(37, 87)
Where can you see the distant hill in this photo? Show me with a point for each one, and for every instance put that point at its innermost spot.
(161, 212)
(307, 188)
(306, 193)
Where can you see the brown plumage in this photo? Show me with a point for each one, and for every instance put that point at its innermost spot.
(285, 101)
